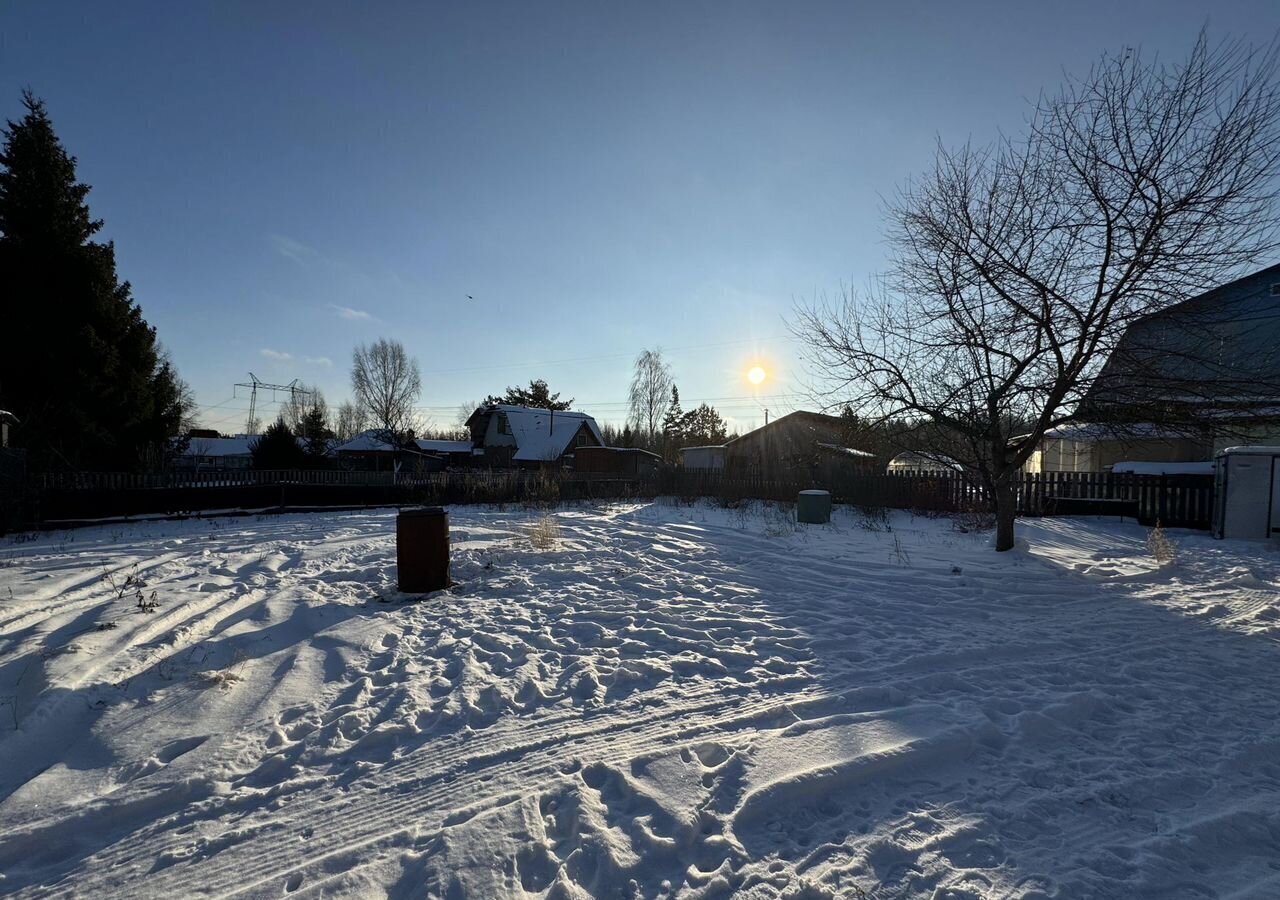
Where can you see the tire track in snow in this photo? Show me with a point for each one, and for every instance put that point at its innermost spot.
(410, 798)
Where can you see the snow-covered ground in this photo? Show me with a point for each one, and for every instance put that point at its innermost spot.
(670, 701)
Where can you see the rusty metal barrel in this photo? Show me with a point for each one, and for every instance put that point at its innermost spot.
(422, 549)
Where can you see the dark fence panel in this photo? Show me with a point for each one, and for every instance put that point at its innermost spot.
(55, 505)
(89, 496)
(1182, 500)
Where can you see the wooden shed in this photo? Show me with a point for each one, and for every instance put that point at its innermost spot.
(631, 462)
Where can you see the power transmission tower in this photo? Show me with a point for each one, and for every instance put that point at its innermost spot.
(251, 426)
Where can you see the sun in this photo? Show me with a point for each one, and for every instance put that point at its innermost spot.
(756, 375)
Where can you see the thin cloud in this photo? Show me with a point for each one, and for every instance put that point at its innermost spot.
(292, 249)
(277, 355)
(346, 312)
(318, 360)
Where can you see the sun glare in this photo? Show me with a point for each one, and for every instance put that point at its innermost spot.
(756, 375)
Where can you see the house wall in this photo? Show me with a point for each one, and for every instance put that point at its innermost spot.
(702, 457)
(1034, 464)
(368, 460)
(1267, 435)
(614, 461)
(783, 445)
(493, 437)
(584, 438)
(1099, 456)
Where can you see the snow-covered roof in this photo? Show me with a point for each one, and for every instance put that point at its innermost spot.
(220, 446)
(847, 451)
(1163, 468)
(240, 445)
(7, 417)
(542, 434)
(370, 441)
(1252, 449)
(703, 447)
(430, 446)
(919, 459)
(1088, 431)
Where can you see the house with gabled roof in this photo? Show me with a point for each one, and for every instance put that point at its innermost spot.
(800, 441)
(1206, 369)
(504, 436)
(379, 450)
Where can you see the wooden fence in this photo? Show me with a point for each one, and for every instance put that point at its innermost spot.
(205, 478)
(939, 493)
(1182, 500)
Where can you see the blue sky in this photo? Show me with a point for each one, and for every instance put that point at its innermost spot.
(284, 181)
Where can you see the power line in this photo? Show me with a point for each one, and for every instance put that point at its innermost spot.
(578, 359)
(586, 405)
(254, 383)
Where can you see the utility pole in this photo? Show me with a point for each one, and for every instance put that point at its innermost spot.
(251, 426)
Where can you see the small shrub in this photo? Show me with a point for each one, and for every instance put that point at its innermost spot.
(1161, 546)
(974, 519)
(545, 532)
(874, 518)
(223, 678)
(780, 519)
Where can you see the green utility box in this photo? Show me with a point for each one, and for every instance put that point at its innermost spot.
(813, 507)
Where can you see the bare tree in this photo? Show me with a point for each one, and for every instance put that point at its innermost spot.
(302, 404)
(650, 394)
(386, 384)
(1016, 269)
(464, 413)
(349, 421)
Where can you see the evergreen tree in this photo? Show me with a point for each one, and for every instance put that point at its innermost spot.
(704, 426)
(673, 426)
(537, 395)
(315, 432)
(80, 367)
(277, 448)
(628, 436)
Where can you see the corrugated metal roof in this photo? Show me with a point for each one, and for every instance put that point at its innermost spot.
(1223, 346)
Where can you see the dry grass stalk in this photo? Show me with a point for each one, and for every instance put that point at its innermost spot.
(1161, 546)
(544, 534)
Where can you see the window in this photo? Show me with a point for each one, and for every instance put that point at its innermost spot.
(582, 440)
(504, 427)
(1275, 290)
